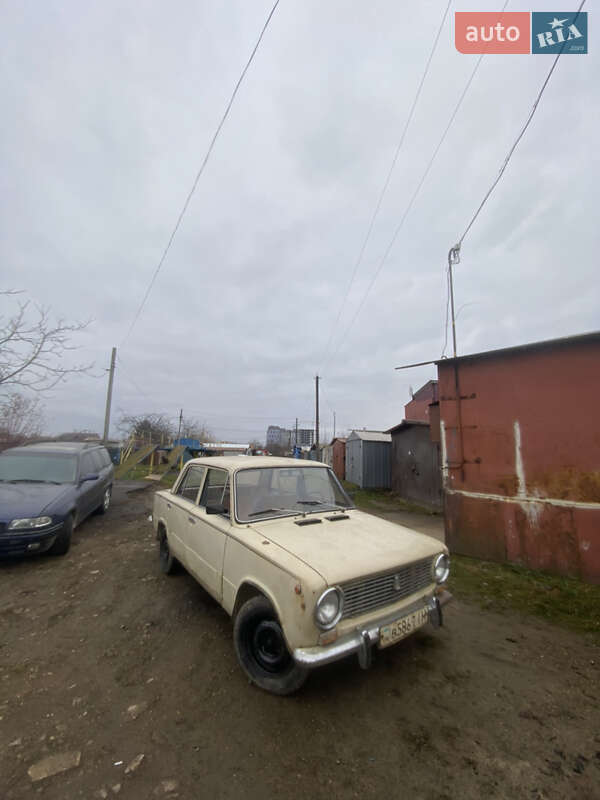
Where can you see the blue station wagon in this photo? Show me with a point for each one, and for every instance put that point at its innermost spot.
(46, 490)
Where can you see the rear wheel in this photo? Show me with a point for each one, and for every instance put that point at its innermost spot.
(62, 543)
(262, 650)
(168, 562)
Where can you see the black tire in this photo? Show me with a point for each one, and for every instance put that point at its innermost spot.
(106, 497)
(62, 543)
(262, 651)
(168, 563)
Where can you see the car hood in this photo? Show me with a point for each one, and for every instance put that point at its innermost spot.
(18, 500)
(349, 548)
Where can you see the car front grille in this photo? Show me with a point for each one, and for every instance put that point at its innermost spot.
(367, 594)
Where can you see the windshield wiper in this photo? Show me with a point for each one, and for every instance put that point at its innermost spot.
(268, 510)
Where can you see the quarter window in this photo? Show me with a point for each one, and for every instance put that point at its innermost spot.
(191, 483)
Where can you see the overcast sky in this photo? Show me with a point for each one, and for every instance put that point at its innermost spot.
(107, 111)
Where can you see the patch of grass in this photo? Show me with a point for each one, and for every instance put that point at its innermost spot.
(382, 500)
(563, 601)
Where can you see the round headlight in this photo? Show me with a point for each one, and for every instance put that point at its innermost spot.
(441, 568)
(329, 608)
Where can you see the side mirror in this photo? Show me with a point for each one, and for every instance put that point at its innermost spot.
(217, 510)
(93, 476)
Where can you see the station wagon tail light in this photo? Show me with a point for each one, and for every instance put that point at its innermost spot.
(29, 522)
(441, 568)
(328, 610)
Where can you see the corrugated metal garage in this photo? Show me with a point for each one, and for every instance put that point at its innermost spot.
(521, 454)
(368, 459)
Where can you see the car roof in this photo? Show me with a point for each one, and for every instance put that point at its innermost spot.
(237, 463)
(54, 447)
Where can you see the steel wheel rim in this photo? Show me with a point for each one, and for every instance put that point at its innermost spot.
(268, 646)
(106, 501)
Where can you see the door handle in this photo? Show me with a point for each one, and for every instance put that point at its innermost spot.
(168, 505)
(192, 520)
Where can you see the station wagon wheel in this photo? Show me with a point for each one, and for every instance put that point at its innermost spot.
(103, 508)
(168, 562)
(62, 543)
(262, 651)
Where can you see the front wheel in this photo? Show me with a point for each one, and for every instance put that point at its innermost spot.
(62, 543)
(104, 506)
(262, 651)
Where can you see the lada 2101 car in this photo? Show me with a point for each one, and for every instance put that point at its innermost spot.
(306, 577)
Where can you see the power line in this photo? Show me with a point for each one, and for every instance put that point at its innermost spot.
(388, 178)
(408, 207)
(199, 173)
(520, 135)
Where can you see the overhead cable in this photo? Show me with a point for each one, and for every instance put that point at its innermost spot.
(199, 173)
(387, 180)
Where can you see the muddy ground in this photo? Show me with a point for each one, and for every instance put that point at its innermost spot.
(102, 655)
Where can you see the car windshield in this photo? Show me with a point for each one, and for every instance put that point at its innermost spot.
(38, 467)
(264, 493)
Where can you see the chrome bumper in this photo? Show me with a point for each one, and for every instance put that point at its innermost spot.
(363, 638)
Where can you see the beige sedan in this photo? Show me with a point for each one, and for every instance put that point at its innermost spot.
(306, 577)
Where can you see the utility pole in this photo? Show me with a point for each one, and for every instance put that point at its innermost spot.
(317, 416)
(453, 258)
(334, 424)
(296, 440)
(111, 374)
(180, 423)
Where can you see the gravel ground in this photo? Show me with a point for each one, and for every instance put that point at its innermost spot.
(126, 680)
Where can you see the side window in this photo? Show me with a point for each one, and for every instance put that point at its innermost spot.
(87, 465)
(104, 455)
(97, 460)
(192, 480)
(216, 489)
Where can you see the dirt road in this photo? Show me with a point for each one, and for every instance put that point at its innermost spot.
(105, 659)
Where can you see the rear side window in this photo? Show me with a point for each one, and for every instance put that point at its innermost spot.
(87, 466)
(97, 460)
(104, 455)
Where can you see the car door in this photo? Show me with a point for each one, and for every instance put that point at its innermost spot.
(206, 534)
(181, 508)
(87, 491)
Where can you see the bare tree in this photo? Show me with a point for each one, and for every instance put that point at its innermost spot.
(152, 428)
(194, 429)
(32, 347)
(21, 419)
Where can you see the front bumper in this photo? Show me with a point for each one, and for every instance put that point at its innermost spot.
(23, 543)
(363, 638)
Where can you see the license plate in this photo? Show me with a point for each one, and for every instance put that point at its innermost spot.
(389, 634)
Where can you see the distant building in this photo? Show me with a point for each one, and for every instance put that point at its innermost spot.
(283, 437)
(278, 437)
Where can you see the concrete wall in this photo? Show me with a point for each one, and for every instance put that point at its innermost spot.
(416, 474)
(529, 488)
